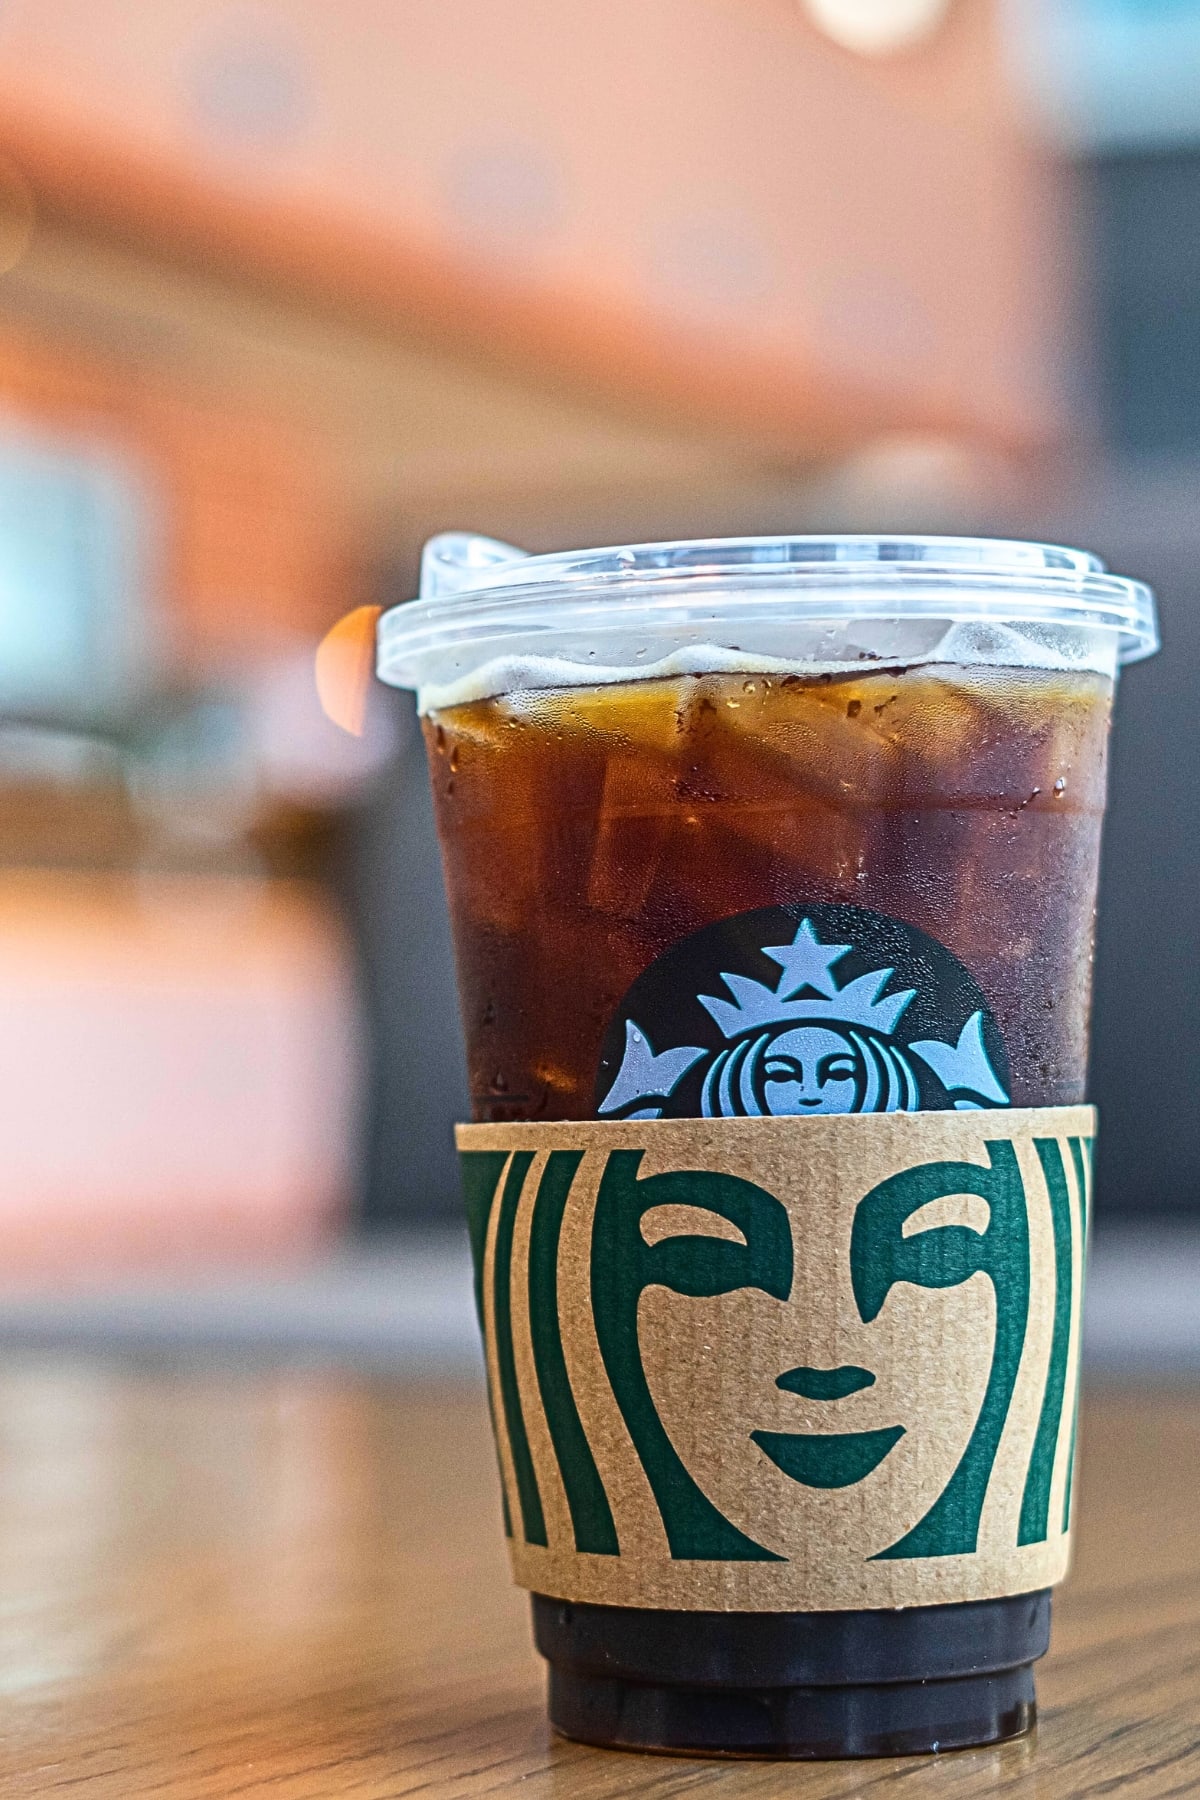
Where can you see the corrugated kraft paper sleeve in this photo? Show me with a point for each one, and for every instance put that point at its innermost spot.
(784, 1364)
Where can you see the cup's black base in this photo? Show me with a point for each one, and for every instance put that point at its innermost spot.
(793, 1685)
(814, 1724)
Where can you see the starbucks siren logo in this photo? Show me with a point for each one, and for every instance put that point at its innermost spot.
(867, 1015)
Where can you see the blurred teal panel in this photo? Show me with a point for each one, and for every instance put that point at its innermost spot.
(1111, 74)
(78, 635)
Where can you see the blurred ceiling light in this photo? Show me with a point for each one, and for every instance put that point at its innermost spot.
(876, 27)
(711, 265)
(918, 480)
(252, 92)
(18, 215)
(505, 194)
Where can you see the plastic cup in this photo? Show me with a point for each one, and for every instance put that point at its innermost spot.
(665, 773)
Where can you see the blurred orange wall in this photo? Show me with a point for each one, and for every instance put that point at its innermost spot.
(703, 202)
(254, 552)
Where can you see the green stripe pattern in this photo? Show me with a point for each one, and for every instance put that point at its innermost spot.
(1035, 1503)
(533, 1521)
(591, 1515)
(481, 1172)
(1081, 1156)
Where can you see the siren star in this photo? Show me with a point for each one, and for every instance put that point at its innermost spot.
(806, 962)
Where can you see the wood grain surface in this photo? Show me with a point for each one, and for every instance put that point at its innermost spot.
(292, 1584)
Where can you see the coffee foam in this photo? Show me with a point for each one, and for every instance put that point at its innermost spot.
(964, 645)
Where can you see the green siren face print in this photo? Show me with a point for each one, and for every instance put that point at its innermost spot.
(827, 1354)
(789, 1011)
(942, 1249)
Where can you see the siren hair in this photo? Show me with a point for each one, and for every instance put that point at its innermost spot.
(734, 1084)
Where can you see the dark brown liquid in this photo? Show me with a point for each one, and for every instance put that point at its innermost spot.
(586, 830)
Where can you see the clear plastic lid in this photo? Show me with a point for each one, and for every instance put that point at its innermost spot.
(491, 619)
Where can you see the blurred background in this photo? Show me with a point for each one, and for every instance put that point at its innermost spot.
(285, 289)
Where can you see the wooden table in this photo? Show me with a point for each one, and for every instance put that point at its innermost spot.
(291, 1584)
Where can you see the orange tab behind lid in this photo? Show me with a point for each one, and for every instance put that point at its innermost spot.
(344, 667)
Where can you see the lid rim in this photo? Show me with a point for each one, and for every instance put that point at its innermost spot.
(483, 564)
(666, 588)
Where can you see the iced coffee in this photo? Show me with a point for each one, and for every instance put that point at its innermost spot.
(772, 870)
